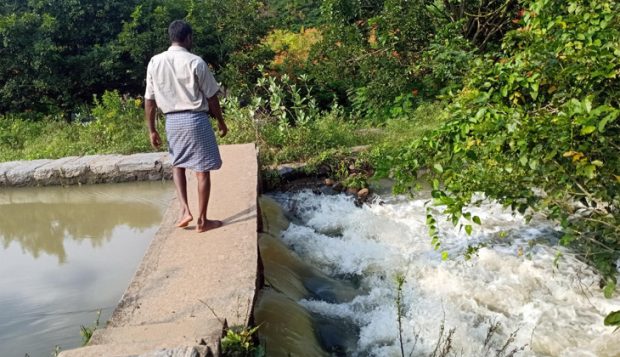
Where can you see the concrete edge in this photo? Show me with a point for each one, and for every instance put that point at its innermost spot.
(149, 261)
(86, 170)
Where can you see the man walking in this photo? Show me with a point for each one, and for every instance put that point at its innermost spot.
(182, 86)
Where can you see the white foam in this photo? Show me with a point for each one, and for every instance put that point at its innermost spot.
(512, 281)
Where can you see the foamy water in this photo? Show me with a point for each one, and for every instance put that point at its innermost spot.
(551, 306)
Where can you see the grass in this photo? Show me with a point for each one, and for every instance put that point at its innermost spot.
(115, 125)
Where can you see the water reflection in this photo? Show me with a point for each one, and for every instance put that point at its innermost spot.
(43, 227)
(66, 253)
(41, 219)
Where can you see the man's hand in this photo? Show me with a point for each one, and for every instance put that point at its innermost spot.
(150, 107)
(155, 139)
(221, 125)
(216, 112)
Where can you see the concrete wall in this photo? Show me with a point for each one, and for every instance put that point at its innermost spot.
(86, 169)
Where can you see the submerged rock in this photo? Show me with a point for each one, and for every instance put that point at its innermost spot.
(352, 191)
(327, 190)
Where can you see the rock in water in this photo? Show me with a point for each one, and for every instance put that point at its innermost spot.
(363, 193)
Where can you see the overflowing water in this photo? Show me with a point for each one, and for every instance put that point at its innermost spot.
(67, 253)
(520, 293)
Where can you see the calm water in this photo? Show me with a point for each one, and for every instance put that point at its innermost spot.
(65, 254)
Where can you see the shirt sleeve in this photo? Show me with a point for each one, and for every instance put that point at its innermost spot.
(208, 84)
(150, 91)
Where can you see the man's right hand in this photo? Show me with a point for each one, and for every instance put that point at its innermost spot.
(222, 128)
(155, 140)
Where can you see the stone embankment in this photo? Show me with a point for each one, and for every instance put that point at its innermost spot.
(86, 169)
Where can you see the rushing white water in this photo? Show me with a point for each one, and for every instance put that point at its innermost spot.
(552, 307)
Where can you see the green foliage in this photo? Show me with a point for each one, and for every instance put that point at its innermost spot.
(483, 22)
(56, 351)
(291, 48)
(294, 15)
(285, 121)
(57, 54)
(400, 282)
(613, 319)
(244, 68)
(221, 28)
(118, 125)
(398, 134)
(356, 180)
(537, 127)
(287, 133)
(87, 331)
(115, 125)
(52, 52)
(445, 62)
(239, 342)
(367, 51)
(224, 27)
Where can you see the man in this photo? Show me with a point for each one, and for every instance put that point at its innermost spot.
(182, 86)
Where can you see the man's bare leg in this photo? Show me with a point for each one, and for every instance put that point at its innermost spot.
(204, 191)
(180, 182)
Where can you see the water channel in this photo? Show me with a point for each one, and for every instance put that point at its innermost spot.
(68, 252)
(331, 268)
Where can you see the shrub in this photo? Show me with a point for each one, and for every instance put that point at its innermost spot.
(536, 127)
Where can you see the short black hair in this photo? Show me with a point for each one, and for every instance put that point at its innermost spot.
(179, 30)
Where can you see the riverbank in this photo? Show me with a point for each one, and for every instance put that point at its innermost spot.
(86, 170)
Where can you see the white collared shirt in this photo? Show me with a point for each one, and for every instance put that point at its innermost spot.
(178, 80)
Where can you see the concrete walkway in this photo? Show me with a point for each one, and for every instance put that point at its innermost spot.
(189, 283)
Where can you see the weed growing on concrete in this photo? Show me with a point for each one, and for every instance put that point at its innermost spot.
(239, 340)
(87, 331)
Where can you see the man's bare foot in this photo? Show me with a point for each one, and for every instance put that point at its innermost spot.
(208, 225)
(184, 221)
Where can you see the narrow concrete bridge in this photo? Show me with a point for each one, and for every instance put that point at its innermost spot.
(190, 285)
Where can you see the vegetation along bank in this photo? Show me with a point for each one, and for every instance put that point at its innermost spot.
(518, 99)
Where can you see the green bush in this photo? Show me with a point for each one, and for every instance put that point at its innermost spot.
(536, 127)
(114, 125)
(278, 141)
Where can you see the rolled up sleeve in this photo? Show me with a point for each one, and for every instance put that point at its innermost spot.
(150, 90)
(208, 84)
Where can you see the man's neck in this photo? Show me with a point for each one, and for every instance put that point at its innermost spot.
(179, 44)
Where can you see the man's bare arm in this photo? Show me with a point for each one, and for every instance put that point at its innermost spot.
(216, 111)
(150, 110)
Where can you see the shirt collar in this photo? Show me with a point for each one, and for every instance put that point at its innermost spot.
(177, 48)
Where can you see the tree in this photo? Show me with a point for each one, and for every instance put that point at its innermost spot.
(53, 51)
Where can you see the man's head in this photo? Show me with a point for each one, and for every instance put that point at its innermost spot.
(180, 32)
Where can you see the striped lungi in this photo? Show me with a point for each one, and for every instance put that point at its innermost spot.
(191, 141)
